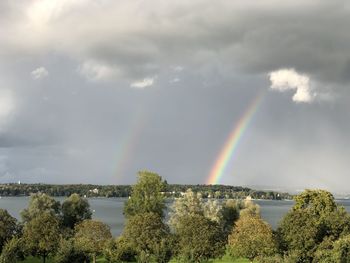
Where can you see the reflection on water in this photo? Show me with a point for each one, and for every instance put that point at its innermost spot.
(110, 210)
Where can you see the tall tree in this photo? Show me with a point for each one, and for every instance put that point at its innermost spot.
(13, 251)
(38, 204)
(198, 238)
(91, 237)
(41, 235)
(251, 237)
(190, 203)
(314, 218)
(149, 237)
(146, 195)
(8, 227)
(74, 210)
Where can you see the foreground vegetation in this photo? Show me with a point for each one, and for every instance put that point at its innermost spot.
(316, 229)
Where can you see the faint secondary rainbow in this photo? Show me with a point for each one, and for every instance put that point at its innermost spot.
(232, 142)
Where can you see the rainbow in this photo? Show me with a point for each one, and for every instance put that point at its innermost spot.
(232, 142)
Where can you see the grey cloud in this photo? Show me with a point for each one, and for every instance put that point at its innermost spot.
(253, 38)
(84, 123)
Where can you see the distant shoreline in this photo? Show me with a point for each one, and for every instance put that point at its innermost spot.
(170, 191)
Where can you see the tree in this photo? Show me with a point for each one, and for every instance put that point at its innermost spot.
(12, 251)
(149, 237)
(230, 214)
(38, 204)
(68, 253)
(251, 238)
(146, 195)
(119, 250)
(41, 235)
(313, 219)
(74, 210)
(198, 238)
(8, 227)
(249, 208)
(189, 204)
(91, 237)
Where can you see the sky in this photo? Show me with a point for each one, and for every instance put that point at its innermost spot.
(93, 91)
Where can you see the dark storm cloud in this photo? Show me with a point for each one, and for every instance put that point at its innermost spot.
(120, 86)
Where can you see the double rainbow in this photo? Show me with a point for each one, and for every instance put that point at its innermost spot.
(232, 142)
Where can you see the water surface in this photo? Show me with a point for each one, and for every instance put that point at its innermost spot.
(110, 210)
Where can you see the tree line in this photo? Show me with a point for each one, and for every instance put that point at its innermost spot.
(316, 229)
(170, 191)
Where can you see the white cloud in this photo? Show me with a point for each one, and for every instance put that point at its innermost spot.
(39, 73)
(96, 71)
(289, 79)
(146, 82)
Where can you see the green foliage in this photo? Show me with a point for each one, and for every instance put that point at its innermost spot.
(249, 208)
(75, 209)
(146, 195)
(251, 238)
(12, 251)
(41, 235)
(91, 237)
(198, 238)
(230, 214)
(314, 218)
(8, 227)
(119, 250)
(149, 237)
(40, 203)
(68, 253)
(341, 250)
(189, 204)
(269, 259)
(318, 202)
(213, 210)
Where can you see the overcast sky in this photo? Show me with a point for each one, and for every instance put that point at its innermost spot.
(92, 91)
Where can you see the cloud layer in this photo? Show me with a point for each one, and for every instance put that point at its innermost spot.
(93, 91)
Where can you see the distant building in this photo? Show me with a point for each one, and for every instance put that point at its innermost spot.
(95, 191)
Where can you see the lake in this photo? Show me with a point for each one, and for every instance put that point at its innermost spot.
(110, 210)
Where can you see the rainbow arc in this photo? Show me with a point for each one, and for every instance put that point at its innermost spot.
(231, 145)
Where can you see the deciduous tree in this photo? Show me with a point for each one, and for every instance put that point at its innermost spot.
(40, 203)
(146, 195)
(251, 237)
(149, 237)
(41, 235)
(198, 238)
(314, 218)
(91, 236)
(74, 210)
(8, 227)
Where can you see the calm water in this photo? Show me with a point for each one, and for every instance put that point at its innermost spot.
(110, 210)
